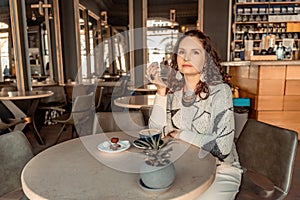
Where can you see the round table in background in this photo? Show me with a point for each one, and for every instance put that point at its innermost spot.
(135, 102)
(44, 84)
(8, 98)
(144, 88)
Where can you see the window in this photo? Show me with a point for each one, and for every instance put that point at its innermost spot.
(160, 39)
(4, 46)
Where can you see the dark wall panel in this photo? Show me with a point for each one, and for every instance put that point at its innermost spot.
(216, 24)
(68, 39)
(138, 41)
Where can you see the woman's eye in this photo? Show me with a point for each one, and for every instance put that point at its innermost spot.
(196, 52)
(180, 52)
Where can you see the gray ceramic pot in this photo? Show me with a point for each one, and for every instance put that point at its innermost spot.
(157, 177)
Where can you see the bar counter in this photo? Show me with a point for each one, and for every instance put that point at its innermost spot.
(261, 63)
(273, 87)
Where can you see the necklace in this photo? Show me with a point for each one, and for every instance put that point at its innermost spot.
(188, 98)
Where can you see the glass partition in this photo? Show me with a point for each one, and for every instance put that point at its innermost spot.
(36, 52)
(39, 19)
(89, 39)
(115, 45)
(94, 40)
(6, 66)
(107, 55)
(120, 49)
(161, 37)
(83, 39)
(32, 36)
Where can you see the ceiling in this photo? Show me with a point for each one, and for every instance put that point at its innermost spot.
(117, 10)
(5, 12)
(186, 10)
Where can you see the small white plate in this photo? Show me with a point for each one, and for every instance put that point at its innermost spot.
(105, 146)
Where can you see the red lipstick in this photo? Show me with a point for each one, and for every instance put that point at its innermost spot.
(186, 65)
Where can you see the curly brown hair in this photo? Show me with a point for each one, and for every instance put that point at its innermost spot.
(202, 86)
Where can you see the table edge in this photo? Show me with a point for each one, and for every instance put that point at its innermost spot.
(35, 96)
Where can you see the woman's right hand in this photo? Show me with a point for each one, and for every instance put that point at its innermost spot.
(153, 75)
(175, 134)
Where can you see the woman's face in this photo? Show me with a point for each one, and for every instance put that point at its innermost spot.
(190, 56)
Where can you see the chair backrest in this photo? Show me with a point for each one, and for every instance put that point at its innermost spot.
(15, 152)
(72, 91)
(69, 93)
(83, 103)
(83, 112)
(268, 150)
(146, 110)
(8, 88)
(121, 121)
(98, 97)
(120, 90)
(59, 95)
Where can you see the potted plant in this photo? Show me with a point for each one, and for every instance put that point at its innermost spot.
(158, 171)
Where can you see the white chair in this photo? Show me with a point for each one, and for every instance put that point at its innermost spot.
(54, 105)
(98, 98)
(81, 117)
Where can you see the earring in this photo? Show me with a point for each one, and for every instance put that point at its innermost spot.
(203, 73)
(202, 78)
(178, 76)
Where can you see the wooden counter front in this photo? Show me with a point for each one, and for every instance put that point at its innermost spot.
(274, 90)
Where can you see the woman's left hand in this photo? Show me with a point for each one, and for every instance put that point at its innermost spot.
(153, 75)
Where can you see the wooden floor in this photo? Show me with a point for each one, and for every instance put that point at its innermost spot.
(49, 134)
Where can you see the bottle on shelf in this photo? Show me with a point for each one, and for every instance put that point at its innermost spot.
(288, 53)
(262, 47)
(280, 52)
(245, 38)
(295, 52)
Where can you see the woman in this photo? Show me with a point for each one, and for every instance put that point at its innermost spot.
(195, 105)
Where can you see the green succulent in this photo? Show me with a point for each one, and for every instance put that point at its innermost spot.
(158, 154)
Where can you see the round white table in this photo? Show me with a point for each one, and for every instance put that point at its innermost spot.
(135, 102)
(44, 84)
(109, 83)
(144, 88)
(16, 95)
(69, 171)
(7, 99)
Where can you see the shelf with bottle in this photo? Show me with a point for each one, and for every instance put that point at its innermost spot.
(271, 2)
(266, 12)
(277, 14)
(261, 18)
(289, 48)
(256, 37)
(269, 8)
(266, 19)
(262, 28)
